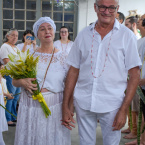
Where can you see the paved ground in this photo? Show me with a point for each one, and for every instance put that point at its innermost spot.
(9, 136)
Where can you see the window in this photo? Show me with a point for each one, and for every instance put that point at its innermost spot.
(21, 14)
(63, 12)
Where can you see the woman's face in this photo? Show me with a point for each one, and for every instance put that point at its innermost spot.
(45, 33)
(27, 35)
(13, 37)
(64, 33)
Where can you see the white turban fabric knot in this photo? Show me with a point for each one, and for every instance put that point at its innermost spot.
(41, 21)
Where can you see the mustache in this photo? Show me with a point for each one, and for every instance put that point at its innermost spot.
(107, 15)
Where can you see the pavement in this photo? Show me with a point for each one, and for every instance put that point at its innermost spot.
(10, 135)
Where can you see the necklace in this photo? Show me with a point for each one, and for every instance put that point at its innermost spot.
(62, 46)
(12, 46)
(106, 57)
(48, 68)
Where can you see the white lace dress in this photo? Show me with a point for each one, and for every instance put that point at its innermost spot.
(63, 47)
(33, 128)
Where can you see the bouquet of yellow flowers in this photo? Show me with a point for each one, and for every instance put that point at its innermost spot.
(24, 65)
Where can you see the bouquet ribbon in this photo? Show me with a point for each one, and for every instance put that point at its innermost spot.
(41, 100)
(38, 97)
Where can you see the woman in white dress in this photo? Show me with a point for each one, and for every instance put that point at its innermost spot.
(27, 42)
(33, 128)
(3, 93)
(7, 48)
(64, 43)
(3, 122)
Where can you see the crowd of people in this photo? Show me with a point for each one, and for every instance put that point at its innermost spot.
(89, 74)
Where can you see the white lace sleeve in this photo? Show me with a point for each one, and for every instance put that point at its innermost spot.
(62, 59)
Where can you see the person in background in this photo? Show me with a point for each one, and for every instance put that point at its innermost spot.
(131, 23)
(27, 42)
(64, 43)
(3, 93)
(120, 17)
(141, 50)
(7, 48)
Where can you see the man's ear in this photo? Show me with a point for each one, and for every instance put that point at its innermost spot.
(95, 7)
(121, 21)
(134, 24)
(117, 8)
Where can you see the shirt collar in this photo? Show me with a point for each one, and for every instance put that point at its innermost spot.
(116, 25)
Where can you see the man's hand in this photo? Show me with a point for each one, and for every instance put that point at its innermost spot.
(142, 82)
(67, 118)
(120, 120)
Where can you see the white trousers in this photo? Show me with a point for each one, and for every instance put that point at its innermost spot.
(1, 139)
(87, 124)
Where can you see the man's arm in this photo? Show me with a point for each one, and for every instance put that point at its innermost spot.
(134, 77)
(67, 116)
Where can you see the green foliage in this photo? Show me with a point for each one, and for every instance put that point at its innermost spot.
(139, 122)
(23, 66)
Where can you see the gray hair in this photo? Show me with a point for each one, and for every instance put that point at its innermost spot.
(96, 1)
(8, 33)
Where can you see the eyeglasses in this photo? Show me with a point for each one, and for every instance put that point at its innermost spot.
(63, 32)
(103, 8)
(13, 35)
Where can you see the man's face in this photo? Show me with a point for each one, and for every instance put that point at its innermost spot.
(107, 16)
(139, 23)
(117, 17)
(128, 24)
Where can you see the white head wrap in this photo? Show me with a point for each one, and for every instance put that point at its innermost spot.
(41, 21)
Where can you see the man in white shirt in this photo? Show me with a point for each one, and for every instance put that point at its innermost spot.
(131, 23)
(100, 59)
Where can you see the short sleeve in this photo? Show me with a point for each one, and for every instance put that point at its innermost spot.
(74, 56)
(132, 58)
(57, 44)
(20, 46)
(4, 52)
(62, 57)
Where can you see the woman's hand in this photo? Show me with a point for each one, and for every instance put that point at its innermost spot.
(26, 84)
(67, 117)
(6, 60)
(34, 44)
(9, 96)
(27, 42)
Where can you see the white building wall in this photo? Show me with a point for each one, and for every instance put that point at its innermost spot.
(86, 13)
